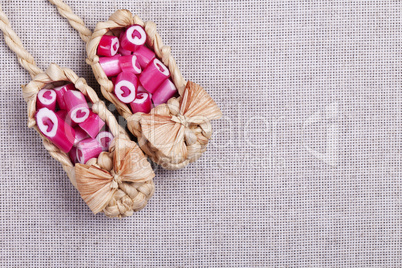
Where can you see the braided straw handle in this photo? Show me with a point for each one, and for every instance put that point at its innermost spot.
(129, 197)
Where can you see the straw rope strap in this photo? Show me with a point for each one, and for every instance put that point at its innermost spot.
(129, 197)
(76, 22)
(15, 44)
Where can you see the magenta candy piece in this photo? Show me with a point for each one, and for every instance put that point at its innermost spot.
(80, 135)
(130, 64)
(77, 106)
(46, 99)
(110, 65)
(87, 149)
(125, 88)
(92, 125)
(124, 52)
(55, 129)
(144, 56)
(154, 75)
(73, 155)
(142, 103)
(63, 114)
(60, 91)
(141, 89)
(105, 138)
(164, 92)
(108, 46)
(133, 37)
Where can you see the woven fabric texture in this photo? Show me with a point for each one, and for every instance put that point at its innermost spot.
(304, 169)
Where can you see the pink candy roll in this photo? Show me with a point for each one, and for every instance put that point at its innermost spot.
(130, 64)
(46, 99)
(141, 89)
(142, 103)
(77, 106)
(144, 56)
(80, 135)
(63, 114)
(55, 129)
(124, 52)
(108, 46)
(164, 92)
(105, 138)
(92, 125)
(154, 75)
(126, 86)
(133, 37)
(110, 65)
(73, 155)
(87, 149)
(60, 91)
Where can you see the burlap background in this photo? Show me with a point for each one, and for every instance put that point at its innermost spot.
(304, 170)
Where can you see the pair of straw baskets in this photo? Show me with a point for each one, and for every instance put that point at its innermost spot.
(172, 134)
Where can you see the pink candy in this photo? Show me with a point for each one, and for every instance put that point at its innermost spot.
(105, 138)
(124, 52)
(144, 55)
(133, 37)
(60, 91)
(137, 75)
(141, 89)
(126, 86)
(130, 64)
(164, 92)
(80, 135)
(154, 75)
(73, 155)
(87, 149)
(77, 106)
(46, 99)
(110, 65)
(142, 103)
(92, 125)
(108, 46)
(55, 129)
(63, 114)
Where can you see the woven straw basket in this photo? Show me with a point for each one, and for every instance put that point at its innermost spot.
(111, 183)
(173, 134)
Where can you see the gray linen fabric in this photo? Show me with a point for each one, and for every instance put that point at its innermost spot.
(304, 169)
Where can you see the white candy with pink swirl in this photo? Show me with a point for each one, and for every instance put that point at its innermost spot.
(77, 106)
(46, 99)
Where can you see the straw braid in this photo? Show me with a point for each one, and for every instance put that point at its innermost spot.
(129, 197)
(76, 22)
(15, 44)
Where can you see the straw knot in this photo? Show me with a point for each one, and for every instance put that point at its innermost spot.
(181, 119)
(116, 180)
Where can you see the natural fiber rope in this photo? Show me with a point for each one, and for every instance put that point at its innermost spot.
(117, 21)
(15, 44)
(129, 197)
(76, 22)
